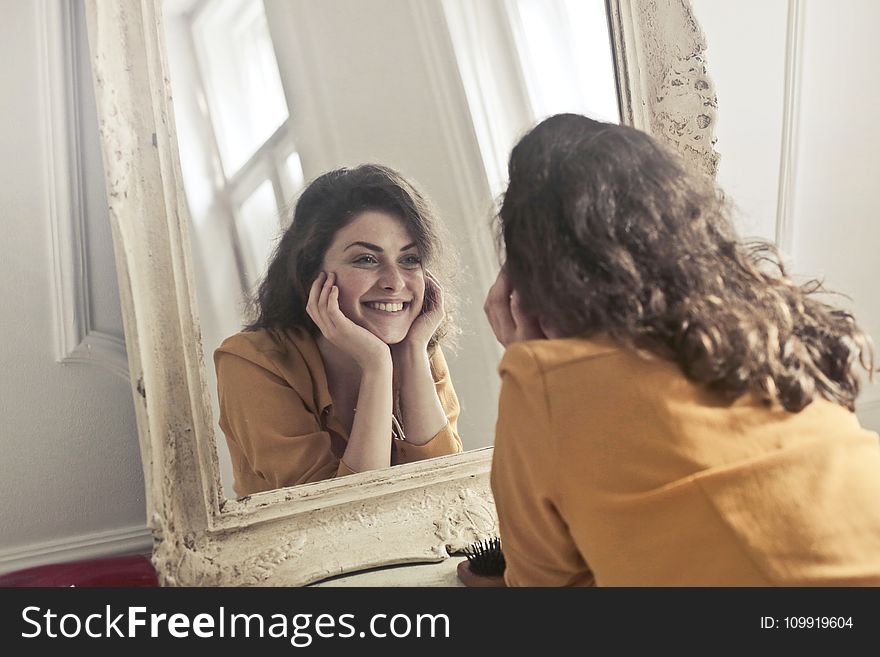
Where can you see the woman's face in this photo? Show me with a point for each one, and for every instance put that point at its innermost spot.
(379, 274)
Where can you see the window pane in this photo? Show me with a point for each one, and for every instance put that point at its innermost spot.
(566, 55)
(294, 178)
(245, 96)
(257, 226)
(523, 60)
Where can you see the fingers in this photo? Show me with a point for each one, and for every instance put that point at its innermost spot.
(433, 301)
(325, 294)
(323, 307)
(329, 317)
(318, 306)
(498, 310)
(500, 290)
(315, 291)
(508, 319)
(334, 312)
(527, 327)
(314, 296)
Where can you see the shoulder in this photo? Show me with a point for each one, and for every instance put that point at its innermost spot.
(281, 350)
(629, 372)
(548, 356)
(290, 357)
(256, 346)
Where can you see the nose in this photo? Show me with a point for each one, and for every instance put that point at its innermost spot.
(390, 279)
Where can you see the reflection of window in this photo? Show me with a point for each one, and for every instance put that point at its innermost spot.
(240, 76)
(523, 60)
(238, 152)
(257, 228)
(565, 54)
(293, 178)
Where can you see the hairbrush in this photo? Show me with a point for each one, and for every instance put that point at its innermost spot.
(485, 558)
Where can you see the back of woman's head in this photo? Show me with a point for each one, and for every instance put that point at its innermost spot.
(328, 204)
(607, 232)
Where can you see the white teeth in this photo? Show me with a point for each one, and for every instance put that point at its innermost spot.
(387, 307)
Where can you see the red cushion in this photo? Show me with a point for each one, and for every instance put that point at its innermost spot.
(131, 570)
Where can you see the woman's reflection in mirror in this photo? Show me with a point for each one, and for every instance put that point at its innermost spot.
(341, 370)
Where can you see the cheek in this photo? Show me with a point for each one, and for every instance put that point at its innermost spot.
(352, 286)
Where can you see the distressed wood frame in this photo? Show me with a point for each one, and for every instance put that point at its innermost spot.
(418, 512)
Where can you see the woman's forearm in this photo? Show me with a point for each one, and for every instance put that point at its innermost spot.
(369, 445)
(423, 415)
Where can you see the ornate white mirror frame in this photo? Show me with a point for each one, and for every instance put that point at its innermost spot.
(412, 513)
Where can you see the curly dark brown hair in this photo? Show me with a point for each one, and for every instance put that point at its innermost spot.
(605, 231)
(328, 204)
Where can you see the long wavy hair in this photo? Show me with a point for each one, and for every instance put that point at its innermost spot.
(328, 204)
(605, 231)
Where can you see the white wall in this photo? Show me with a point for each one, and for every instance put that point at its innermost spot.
(749, 81)
(71, 470)
(837, 234)
(819, 185)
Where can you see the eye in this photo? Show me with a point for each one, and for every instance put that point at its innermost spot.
(411, 260)
(366, 259)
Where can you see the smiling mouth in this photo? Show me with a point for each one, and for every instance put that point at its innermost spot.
(387, 307)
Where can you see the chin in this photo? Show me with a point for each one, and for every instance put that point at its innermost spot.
(389, 338)
(388, 334)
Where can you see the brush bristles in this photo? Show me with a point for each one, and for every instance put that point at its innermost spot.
(485, 558)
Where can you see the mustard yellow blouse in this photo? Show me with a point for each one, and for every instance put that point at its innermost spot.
(277, 414)
(613, 469)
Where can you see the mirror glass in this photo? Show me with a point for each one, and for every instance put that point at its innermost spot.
(269, 94)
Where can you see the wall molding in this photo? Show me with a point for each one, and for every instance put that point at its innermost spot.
(126, 540)
(76, 339)
(790, 113)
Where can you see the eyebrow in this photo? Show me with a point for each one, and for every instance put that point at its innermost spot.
(377, 248)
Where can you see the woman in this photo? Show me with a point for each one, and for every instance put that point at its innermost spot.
(341, 371)
(674, 411)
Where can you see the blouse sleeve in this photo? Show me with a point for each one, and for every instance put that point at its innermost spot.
(537, 547)
(446, 441)
(268, 427)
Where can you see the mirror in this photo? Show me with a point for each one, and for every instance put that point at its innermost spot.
(270, 94)
(416, 512)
